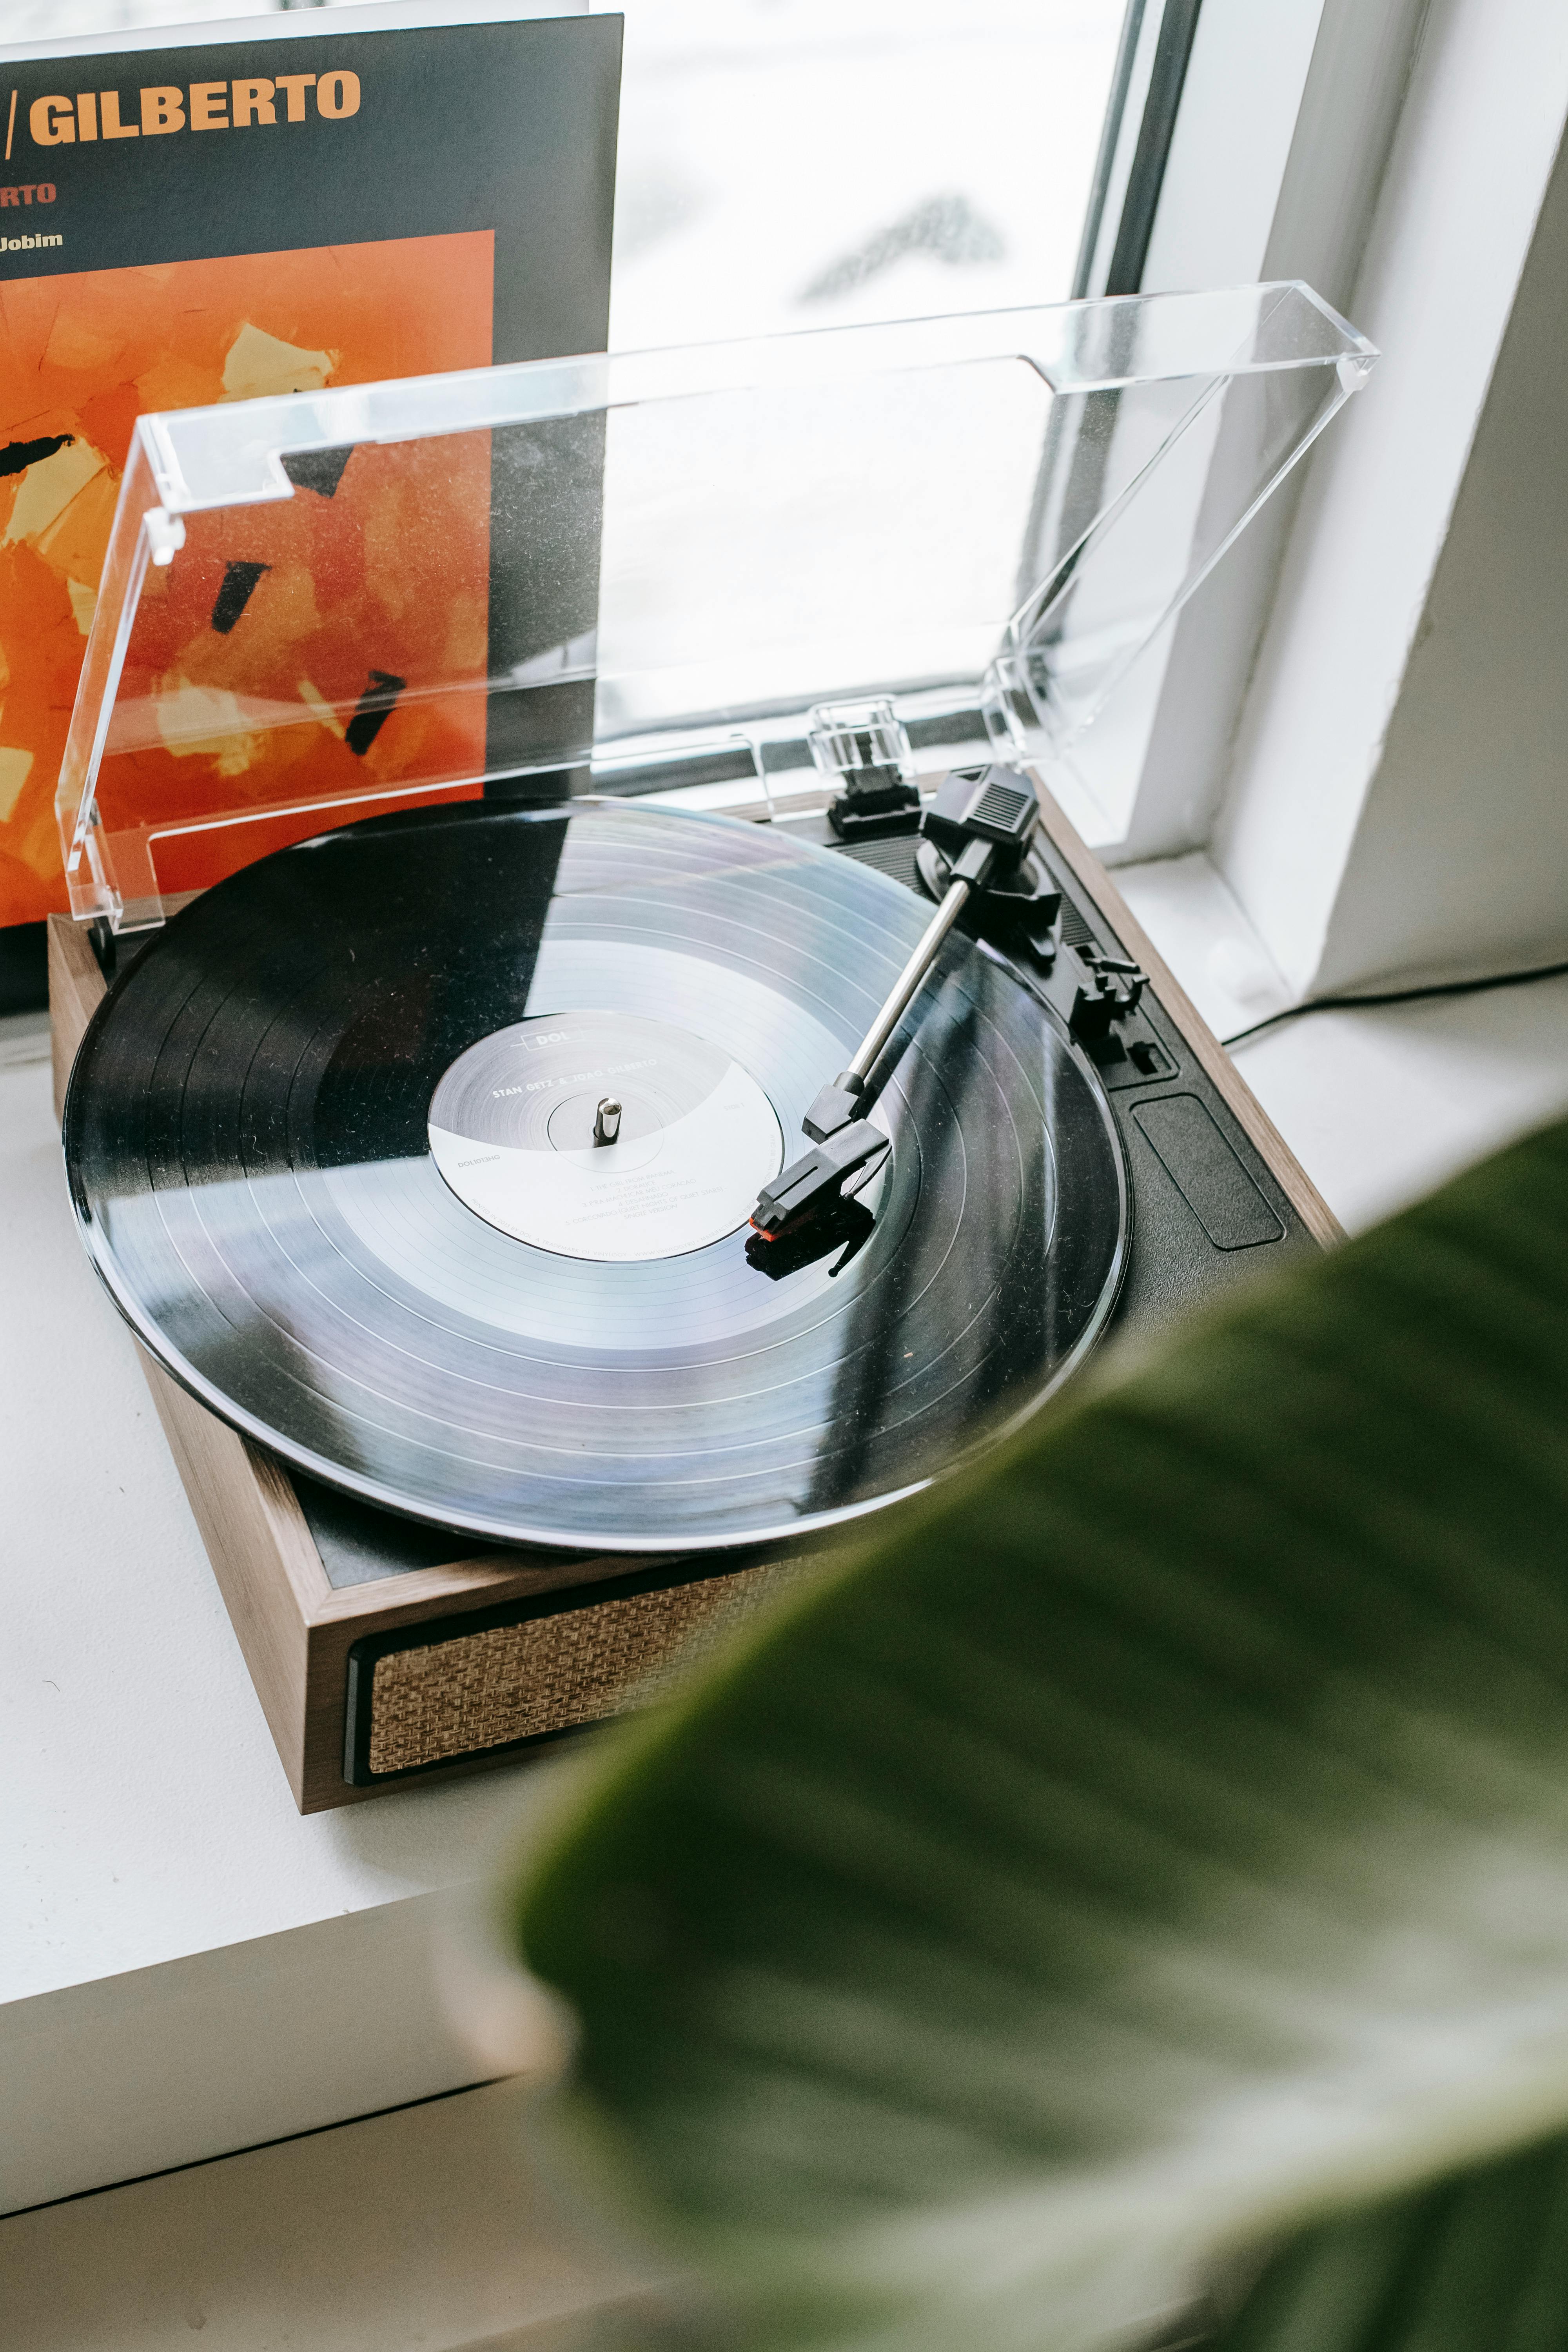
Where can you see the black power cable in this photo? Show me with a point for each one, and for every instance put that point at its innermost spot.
(1399, 996)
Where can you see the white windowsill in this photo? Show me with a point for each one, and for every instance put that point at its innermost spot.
(1379, 1105)
(423, 2231)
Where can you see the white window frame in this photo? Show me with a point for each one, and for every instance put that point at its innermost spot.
(1307, 741)
(1283, 125)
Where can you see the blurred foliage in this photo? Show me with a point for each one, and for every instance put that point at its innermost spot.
(1478, 2263)
(1148, 1851)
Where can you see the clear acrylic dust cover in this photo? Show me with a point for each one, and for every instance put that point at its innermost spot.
(587, 574)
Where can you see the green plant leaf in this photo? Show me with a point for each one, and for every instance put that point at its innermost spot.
(1478, 2263)
(1153, 1840)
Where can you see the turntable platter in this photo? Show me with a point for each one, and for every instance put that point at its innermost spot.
(331, 1140)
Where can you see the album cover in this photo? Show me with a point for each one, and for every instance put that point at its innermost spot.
(216, 221)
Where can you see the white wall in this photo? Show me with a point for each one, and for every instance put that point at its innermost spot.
(1295, 198)
(1460, 856)
(1396, 796)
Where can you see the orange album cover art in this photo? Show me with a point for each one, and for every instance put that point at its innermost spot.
(342, 603)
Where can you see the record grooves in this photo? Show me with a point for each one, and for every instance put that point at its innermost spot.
(331, 1140)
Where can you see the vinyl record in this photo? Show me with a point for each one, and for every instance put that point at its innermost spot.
(332, 1143)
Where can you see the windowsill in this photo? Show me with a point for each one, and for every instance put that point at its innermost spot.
(24, 1038)
(187, 1966)
(425, 2228)
(1379, 1105)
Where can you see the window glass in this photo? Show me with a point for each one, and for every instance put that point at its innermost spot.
(64, 20)
(790, 163)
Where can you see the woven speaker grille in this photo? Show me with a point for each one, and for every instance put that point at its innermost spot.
(512, 1682)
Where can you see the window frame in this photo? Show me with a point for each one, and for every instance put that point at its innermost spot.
(1235, 136)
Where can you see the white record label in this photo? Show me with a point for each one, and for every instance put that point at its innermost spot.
(511, 1129)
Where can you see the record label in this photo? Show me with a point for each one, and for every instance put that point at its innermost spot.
(513, 1132)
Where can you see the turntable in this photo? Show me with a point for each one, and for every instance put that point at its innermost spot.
(698, 1087)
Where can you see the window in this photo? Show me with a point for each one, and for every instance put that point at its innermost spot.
(798, 163)
(790, 163)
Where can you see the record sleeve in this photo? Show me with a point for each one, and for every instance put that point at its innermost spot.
(224, 220)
